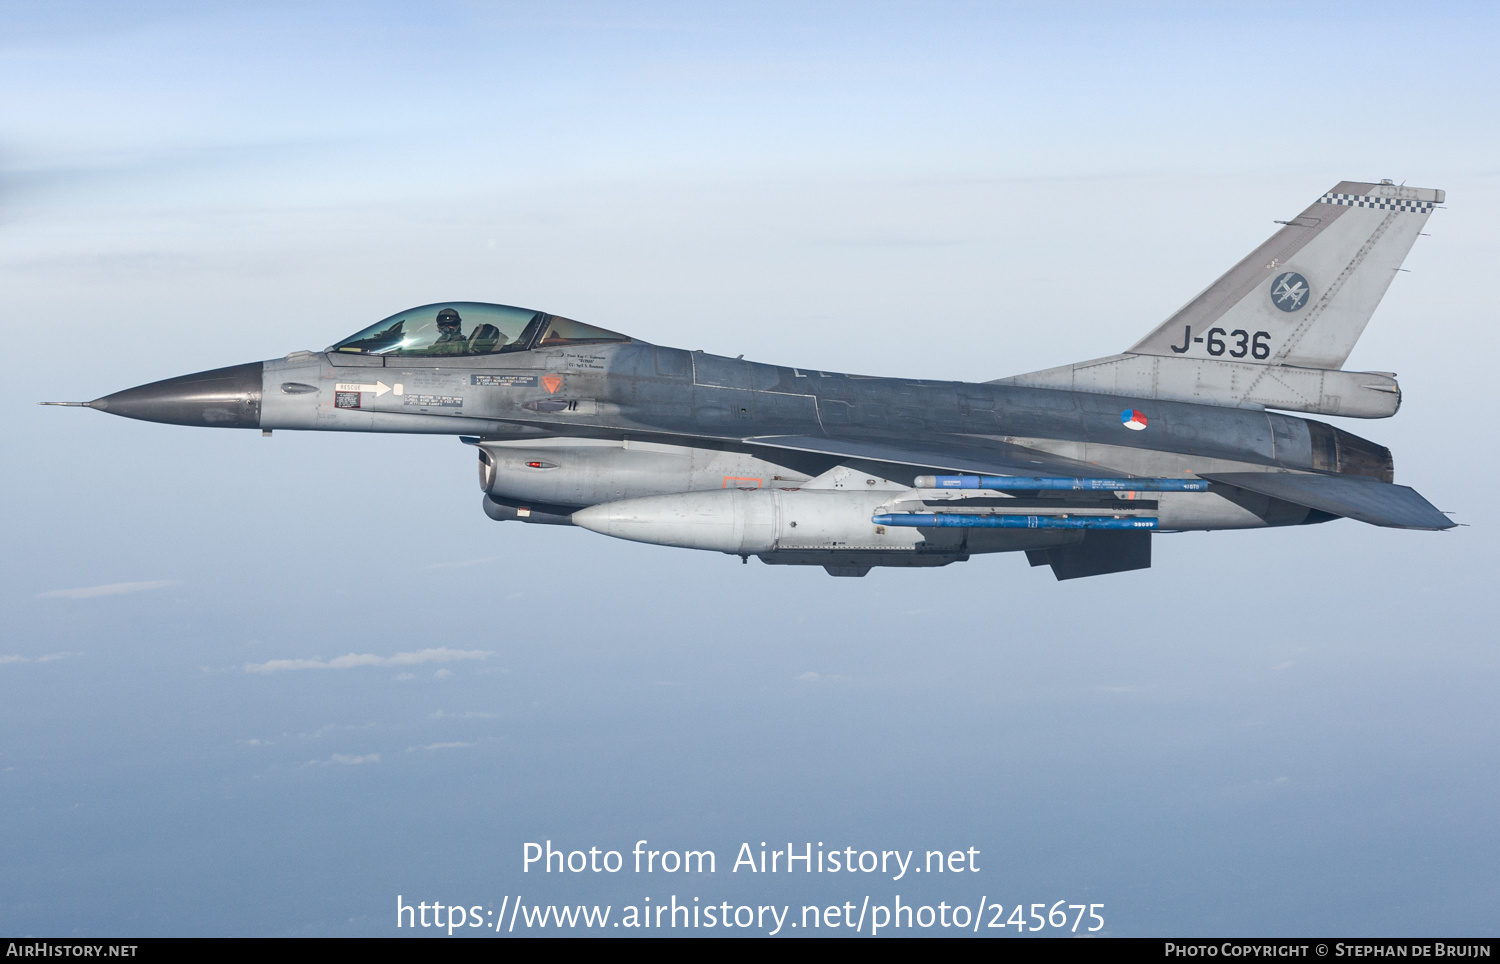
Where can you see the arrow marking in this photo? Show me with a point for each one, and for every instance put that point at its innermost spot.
(379, 388)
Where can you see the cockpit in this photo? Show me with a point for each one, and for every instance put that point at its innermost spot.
(472, 328)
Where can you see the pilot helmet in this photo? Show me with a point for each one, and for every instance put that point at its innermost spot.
(448, 318)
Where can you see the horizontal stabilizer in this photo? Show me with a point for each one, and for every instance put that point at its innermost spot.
(953, 454)
(1350, 496)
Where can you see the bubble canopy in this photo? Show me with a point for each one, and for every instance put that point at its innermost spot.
(471, 328)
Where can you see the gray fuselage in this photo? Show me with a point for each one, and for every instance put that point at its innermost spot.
(694, 419)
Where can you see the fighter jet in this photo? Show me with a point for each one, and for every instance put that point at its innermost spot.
(1076, 466)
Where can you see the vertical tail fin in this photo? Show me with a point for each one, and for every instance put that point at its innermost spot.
(1274, 331)
(1304, 297)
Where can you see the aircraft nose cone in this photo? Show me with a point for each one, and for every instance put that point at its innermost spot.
(222, 398)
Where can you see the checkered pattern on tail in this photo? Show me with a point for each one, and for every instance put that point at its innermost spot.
(1382, 203)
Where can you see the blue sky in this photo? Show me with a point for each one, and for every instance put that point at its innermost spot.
(1267, 733)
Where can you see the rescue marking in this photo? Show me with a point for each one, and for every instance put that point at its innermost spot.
(379, 388)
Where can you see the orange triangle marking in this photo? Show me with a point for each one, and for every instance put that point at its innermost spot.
(552, 383)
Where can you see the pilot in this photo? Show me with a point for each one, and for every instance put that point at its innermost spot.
(450, 339)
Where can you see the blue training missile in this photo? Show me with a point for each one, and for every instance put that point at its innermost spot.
(954, 520)
(1012, 483)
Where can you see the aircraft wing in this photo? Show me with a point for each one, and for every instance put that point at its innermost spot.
(1350, 496)
(950, 453)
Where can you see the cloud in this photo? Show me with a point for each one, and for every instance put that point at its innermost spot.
(328, 728)
(470, 715)
(441, 655)
(811, 677)
(40, 659)
(112, 589)
(1287, 665)
(440, 746)
(349, 759)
